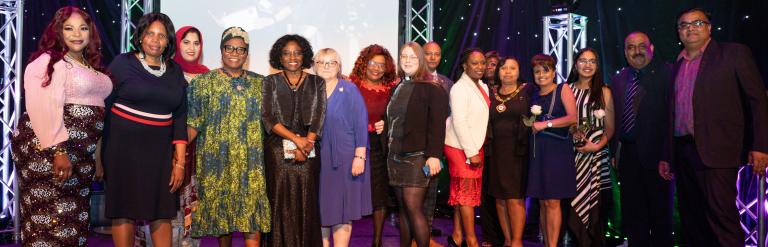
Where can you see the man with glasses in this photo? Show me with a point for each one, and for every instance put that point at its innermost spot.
(720, 113)
(641, 102)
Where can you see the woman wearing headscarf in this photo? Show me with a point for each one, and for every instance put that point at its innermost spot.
(224, 117)
(189, 53)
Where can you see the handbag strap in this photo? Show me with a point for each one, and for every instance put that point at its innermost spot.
(552, 101)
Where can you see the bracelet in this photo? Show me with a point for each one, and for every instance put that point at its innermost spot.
(359, 157)
(179, 166)
(57, 150)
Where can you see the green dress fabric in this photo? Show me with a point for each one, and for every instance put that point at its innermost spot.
(232, 192)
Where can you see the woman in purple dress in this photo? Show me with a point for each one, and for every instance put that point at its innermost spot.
(345, 180)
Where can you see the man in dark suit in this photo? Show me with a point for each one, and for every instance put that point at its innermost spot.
(641, 96)
(432, 55)
(720, 113)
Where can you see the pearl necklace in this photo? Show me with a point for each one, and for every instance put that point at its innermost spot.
(157, 73)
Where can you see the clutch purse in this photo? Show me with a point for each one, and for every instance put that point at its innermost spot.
(289, 146)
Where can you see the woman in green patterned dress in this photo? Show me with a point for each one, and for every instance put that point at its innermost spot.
(224, 115)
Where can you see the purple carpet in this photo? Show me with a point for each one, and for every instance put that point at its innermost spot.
(362, 233)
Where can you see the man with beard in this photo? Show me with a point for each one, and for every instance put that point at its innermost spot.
(720, 114)
(641, 96)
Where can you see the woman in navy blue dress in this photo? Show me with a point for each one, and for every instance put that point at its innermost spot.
(552, 171)
(145, 134)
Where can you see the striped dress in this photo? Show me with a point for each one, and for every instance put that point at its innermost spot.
(592, 169)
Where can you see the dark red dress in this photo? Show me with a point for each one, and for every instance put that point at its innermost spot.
(376, 103)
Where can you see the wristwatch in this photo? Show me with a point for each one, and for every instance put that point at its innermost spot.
(549, 124)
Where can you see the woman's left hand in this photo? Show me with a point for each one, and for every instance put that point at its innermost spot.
(539, 126)
(589, 147)
(434, 166)
(177, 173)
(358, 166)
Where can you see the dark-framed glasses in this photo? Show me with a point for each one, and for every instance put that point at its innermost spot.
(236, 50)
(695, 24)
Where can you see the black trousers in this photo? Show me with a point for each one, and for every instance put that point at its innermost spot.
(430, 200)
(707, 198)
(646, 201)
(489, 218)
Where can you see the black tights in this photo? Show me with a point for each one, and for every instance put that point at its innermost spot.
(413, 223)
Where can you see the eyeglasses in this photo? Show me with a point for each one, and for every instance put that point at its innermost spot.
(237, 50)
(326, 63)
(695, 24)
(375, 65)
(404, 57)
(587, 61)
(296, 53)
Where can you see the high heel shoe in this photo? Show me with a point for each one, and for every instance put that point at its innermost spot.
(452, 243)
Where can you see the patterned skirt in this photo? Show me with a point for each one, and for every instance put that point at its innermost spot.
(55, 213)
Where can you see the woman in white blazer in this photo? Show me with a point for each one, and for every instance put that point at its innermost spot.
(464, 138)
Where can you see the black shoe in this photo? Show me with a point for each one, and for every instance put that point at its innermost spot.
(436, 232)
(452, 243)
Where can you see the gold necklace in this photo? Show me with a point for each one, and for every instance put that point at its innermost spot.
(82, 64)
(502, 107)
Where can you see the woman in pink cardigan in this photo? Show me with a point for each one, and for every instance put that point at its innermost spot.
(54, 144)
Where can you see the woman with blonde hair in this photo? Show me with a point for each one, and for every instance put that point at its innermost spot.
(345, 182)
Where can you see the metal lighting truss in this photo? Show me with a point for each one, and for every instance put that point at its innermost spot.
(10, 98)
(127, 26)
(419, 20)
(564, 34)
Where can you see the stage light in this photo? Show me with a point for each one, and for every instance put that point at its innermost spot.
(563, 6)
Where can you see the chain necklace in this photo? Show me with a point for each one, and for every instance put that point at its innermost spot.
(157, 73)
(293, 86)
(502, 107)
(83, 64)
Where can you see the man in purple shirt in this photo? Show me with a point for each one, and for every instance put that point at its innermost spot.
(720, 113)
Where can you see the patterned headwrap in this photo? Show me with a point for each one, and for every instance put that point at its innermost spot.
(234, 32)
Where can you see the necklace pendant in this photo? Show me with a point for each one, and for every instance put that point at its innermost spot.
(501, 108)
(239, 88)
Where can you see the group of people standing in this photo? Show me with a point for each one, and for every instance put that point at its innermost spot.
(302, 153)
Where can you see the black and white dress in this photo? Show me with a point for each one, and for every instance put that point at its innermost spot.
(592, 169)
